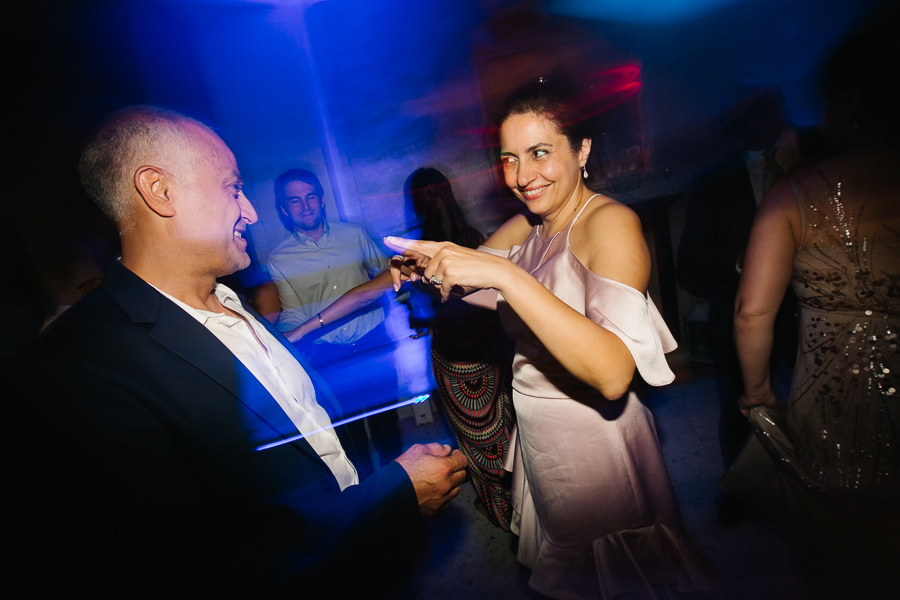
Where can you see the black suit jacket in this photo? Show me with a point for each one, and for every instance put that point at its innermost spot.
(136, 471)
(720, 213)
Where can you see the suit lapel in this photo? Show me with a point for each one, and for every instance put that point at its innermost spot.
(181, 334)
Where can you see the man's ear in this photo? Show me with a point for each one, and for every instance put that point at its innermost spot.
(152, 183)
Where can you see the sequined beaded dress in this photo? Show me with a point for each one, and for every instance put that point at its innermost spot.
(844, 415)
(594, 508)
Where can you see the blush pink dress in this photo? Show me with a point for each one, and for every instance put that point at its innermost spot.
(593, 506)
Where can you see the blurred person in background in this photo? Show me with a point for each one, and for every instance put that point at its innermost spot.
(332, 288)
(721, 205)
(470, 355)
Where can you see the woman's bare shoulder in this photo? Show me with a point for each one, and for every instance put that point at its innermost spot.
(609, 241)
(512, 233)
(604, 219)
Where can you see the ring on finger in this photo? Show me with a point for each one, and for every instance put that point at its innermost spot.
(434, 281)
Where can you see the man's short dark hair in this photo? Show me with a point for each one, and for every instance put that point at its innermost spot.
(304, 175)
(127, 139)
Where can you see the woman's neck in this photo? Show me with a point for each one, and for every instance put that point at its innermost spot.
(553, 224)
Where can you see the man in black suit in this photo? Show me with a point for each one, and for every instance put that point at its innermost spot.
(170, 443)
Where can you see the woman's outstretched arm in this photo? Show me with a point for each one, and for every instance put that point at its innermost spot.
(589, 352)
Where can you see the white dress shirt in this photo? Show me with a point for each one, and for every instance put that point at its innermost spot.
(282, 376)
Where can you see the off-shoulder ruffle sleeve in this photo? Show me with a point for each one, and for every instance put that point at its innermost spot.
(634, 318)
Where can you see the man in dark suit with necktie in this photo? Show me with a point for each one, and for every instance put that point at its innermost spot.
(170, 443)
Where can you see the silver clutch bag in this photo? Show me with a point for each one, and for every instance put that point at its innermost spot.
(768, 424)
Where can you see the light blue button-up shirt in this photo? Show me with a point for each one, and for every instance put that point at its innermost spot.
(310, 275)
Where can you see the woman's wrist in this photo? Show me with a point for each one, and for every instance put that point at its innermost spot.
(757, 390)
(512, 279)
(504, 274)
(754, 397)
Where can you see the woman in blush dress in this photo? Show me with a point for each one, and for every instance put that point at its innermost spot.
(594, 508)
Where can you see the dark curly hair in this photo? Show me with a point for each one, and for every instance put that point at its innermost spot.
(557, 99)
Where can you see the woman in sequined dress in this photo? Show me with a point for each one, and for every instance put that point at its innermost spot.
(832, 232)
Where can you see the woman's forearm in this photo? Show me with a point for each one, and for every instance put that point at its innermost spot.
(591, 353)
(768, 267)
(753, 336)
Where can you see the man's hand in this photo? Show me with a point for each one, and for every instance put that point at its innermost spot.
(436, 472)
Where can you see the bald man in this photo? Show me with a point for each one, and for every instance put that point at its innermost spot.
(175, 444)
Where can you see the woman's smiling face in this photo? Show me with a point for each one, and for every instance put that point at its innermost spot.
(539, 164)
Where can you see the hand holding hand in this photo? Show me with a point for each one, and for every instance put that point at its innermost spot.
(436, 472)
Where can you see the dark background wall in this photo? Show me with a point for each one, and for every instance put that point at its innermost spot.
(365, 92)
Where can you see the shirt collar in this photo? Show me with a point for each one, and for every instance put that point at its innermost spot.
(308, 241)
(225, 295)
(223, 292)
